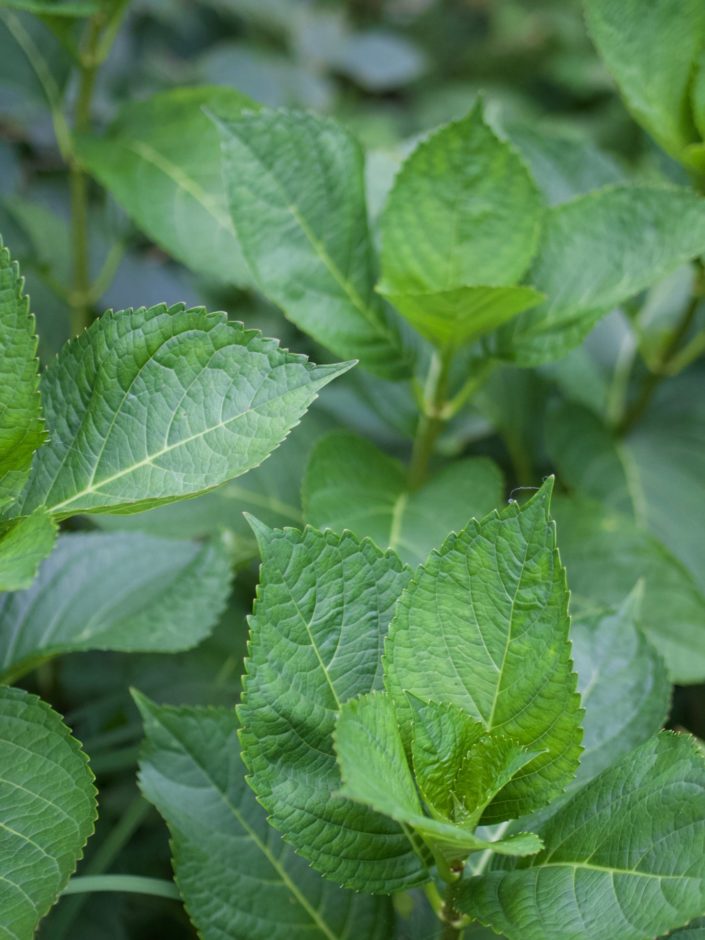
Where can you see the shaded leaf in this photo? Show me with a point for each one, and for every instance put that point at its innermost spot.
(24, 544)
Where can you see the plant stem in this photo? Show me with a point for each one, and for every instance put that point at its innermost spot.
(431, 420)
(134, 884)
(450, 932)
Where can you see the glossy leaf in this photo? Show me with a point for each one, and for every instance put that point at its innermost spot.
(304, 231)
(237, 877)
(491, 600)
(634, 871)
(161, 162)
(150, 406)
(323, 607)
(24, 544)
(47, 806)
(117, 592)
(350, 484)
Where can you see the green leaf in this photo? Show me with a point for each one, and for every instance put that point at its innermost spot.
(297, 196)
(463, 211)
(24, 543)
(654, 474)
(116, 591)
(350, 484)
(623, 684)
(651, 50)
(596, 252)
(161, 162)
(374, 771)
(323, 607)
(699, 96)
(605, 552)
(694, 931)
(458, 316)
(48, 809)
(623, 857)
(55, 7)
(21, 427)
(483, 625)
(238, 878)
(152, 405)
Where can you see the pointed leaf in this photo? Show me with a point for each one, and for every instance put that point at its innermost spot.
(624, 856)
(115, 591)
(463, 211)
(651, 49)
(296, 190)
(323, 607)
(47, 807)
(596, 252)
(350, 484)
(21, 427)
(152, 405)
(161, 162)
(483, 625)
(24, 544)
(237, 877)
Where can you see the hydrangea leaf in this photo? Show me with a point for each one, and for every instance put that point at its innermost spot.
(152, 405)
(483, 625)
(236, 876)
(24, 544)
(48, 809)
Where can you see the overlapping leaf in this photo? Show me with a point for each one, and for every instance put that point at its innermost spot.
(152, 405)
(24, 544)
(238, 879)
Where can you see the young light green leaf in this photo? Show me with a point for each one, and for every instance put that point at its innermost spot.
(47, 806)
(483, 625)
(375, 772)
(597, 251)
(152, 405)
(461, 315)
(21, 427)
(323, 607)
(624, 856)
(463, 211)
(238, 879)
(161, 161)
(350, 484)
(651, 50)
(24, 543)
(604, 550)
(296, 191)
(119, 591)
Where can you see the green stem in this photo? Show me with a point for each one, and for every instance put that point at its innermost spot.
(133, 884)
(431, 420)
(472, 384)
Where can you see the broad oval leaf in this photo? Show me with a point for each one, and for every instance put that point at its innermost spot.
(117, 591)
(597, 251)
(483, 625)
(152, 405)
(238, 879)
(323, 607)
(297, 196)
(161, 160)
(24, 544)
(47, 807)
(624, 856)
(350, 484)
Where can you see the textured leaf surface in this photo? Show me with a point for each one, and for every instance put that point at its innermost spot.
(350, 484)
(597, 251)
(296, 190)
(152, 405)
(605, 553)
(24, 543)
(651, 49)
(323, 607)
(115, 591)
(623, 858)
(47, 807)
(463, 210)
(463, 314)
(483, 625)
(238, 879)
(161, 161)
(21, 428)
(653, 474)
